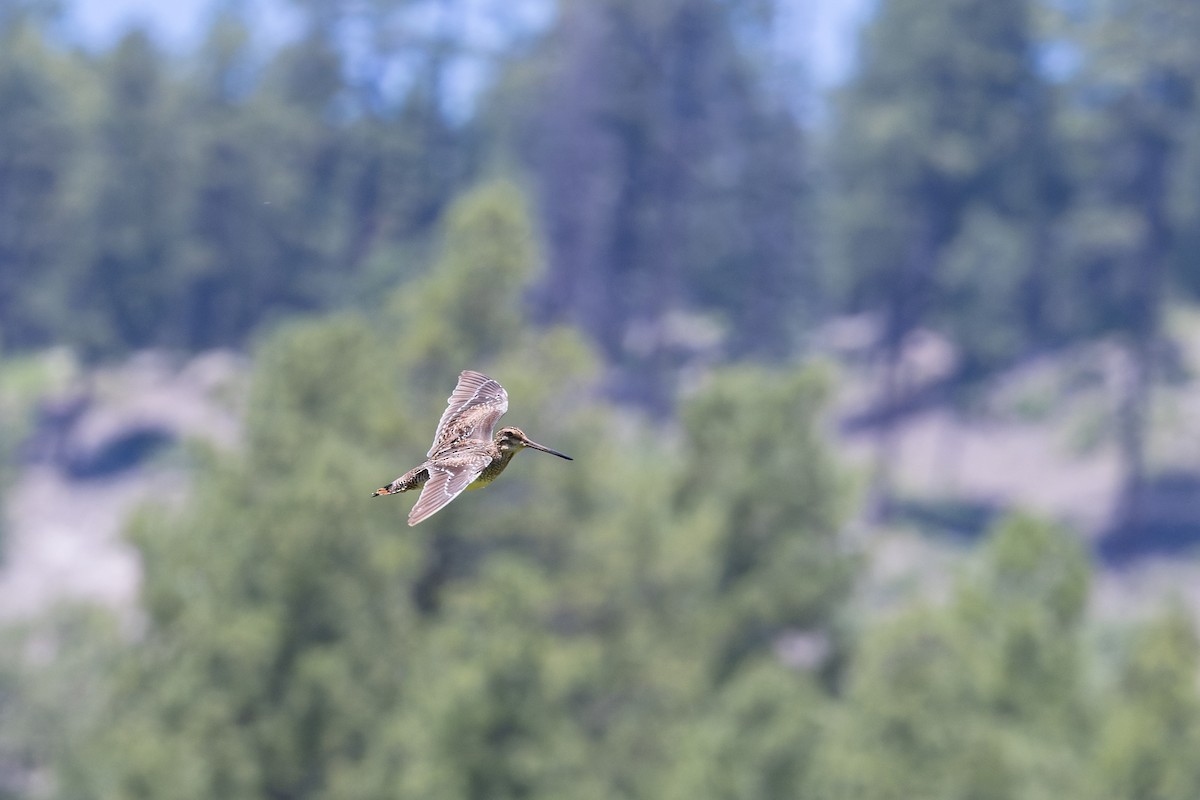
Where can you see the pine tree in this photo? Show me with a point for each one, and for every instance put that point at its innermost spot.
(983, 698)
(671, 183)
(1149, 735)
(942, 185)
(1134, 204)
(42, 96)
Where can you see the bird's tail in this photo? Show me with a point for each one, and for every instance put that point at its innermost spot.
(413, 479)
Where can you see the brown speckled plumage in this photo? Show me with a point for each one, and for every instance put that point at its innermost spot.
(464, 453)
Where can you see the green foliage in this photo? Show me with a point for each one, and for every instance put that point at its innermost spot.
(134, 219)
(1148, 740)
(755, 737)
(754, 464)
(579, 630)
(40, 140)
(618, 626)
(301, 600)
(469, 306)
(1130, 235)
(614, 626)
(1127, 240)
(204, 199)
(671, 180)
(982, 698)
(1025, 611)
(944, 176)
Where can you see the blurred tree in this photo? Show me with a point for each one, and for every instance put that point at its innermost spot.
(605, 637)
(470, 305)
(910, 725)
(753, 736)
(210, 196)
(285, 624)
(980, 699)
(1134, 118)
(123, 286)
(269, 206)
(1023, 612)
(670, 183)
(942, 183)
(314, 183)
(410, 155)
(41, 94)
(1148, 739)
(757, 472)
(467, 311)
(555, 638)
(277, 614)
(54, 684)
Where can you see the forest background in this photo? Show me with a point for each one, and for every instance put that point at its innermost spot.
(882, 396)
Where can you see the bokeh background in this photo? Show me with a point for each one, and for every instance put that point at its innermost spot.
(873, 328)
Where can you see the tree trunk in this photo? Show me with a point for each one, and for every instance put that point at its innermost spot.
(1150, 193)
(880, 496)
(1132, 403)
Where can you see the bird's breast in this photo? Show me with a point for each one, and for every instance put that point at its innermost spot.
(491, 471)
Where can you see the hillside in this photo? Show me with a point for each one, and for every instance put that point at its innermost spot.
(1035, 438)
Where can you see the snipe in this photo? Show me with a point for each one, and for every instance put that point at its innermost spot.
(464, 455)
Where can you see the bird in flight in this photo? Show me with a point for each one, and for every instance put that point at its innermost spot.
(464, 453)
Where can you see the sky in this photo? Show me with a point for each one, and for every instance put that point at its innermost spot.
(177, 24)
(824, 30)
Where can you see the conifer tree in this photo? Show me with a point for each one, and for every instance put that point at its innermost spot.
(942, 181)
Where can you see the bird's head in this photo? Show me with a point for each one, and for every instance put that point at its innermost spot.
(513, 440)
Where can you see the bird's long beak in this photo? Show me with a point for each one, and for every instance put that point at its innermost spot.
(544, 449)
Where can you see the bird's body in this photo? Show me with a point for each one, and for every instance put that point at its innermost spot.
(416, 477)
(464, 453)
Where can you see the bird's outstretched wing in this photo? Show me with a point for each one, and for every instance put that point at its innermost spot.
(471, 411)
(447, 479)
